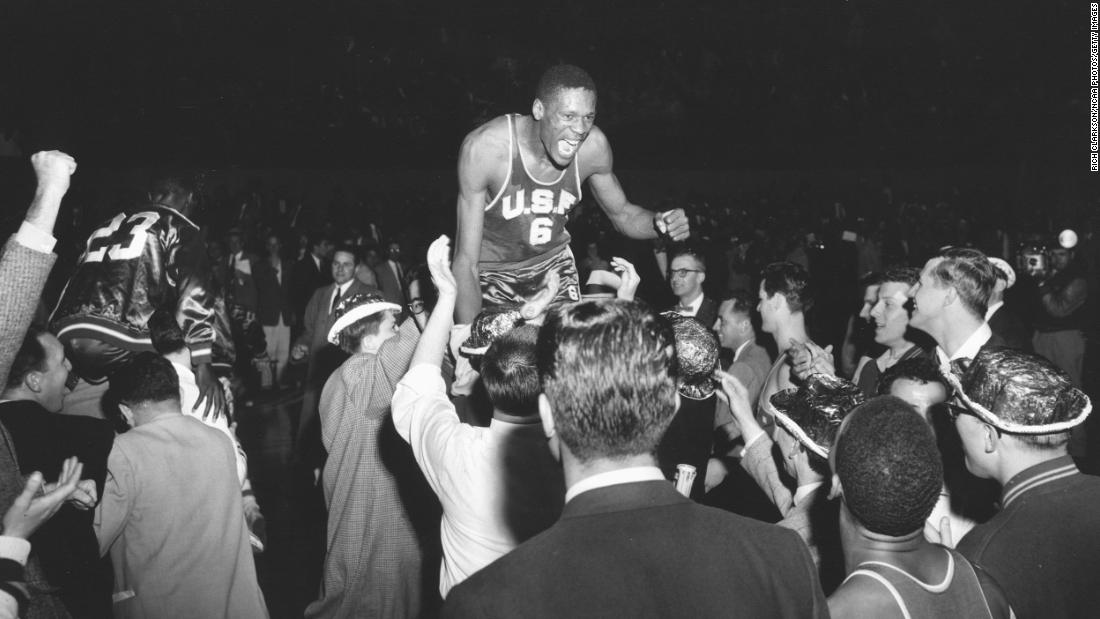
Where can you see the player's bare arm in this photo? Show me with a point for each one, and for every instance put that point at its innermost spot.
(483, 155)
(629, 219)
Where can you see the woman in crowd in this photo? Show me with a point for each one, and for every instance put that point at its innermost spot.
(373, 560)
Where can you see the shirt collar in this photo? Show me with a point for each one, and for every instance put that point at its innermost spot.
(804, 491)
(694, 305)
(614, 478)
(740, 349)
(970, 347)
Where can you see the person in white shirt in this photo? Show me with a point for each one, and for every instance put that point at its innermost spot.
(499, 485)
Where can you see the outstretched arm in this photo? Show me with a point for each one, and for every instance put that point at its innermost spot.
(28, 256)
(629, 219)
(433, 341)
(480, 154)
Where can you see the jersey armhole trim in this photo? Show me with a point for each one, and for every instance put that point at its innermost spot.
(511, 155)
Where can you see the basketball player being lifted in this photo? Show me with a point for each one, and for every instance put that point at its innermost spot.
(519, 176)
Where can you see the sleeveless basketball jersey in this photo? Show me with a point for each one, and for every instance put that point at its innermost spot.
(959, 595)
(525, 222)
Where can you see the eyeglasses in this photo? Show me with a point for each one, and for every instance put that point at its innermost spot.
(954, 411)
(683, 272)
(416, 306)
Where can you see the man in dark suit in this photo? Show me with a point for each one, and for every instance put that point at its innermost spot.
(313, 343)
(686, 273)
(312, 271)
(274, 289)
(391, 275)
(627, 544)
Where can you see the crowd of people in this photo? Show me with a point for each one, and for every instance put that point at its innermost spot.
(708, 422)
(538, 461)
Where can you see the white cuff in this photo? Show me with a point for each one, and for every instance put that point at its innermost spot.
(14, 548)
(751, 442)
(33, 237)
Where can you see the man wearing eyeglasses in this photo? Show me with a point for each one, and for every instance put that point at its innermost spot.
(1014, 413)
(686, 274)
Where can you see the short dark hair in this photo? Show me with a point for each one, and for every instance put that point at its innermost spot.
(689, 251)
(901, 275)
(149, 377)
(31, 357)
(610, 372)
(889, 466)
(348, 249)
(165, 332)
(790, 280)
(562, 77)
(874, 278)
(168, 184)
(971, 273)
(741, 302)
(918, 369)
(510, 374)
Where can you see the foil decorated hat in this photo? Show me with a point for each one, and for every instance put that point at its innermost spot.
(487, 327)
(813, 413)
(356, 307)
(697, 354)
(1019, 393)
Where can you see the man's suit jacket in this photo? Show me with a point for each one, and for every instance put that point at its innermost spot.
(814, 517)
(66, 543)
(392, 289)
(307, 279)
(1011, 328)
(642, 550)
(273, 296)
(752, 368)
(324, 357)
(707, 314)
(24, 272)
(240, 285)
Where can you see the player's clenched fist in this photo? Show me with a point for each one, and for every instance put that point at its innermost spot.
(53, 168)
(673, 224)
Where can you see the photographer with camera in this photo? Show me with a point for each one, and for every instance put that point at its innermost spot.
(1060, 318)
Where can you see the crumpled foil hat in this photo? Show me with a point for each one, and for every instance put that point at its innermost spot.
(487, 327)
(813, 413)
(697, 354)
(353, 308)
(1019, 393)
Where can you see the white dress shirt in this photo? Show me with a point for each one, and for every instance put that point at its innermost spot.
(474, 471)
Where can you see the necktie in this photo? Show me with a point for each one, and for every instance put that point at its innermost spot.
(335, 300)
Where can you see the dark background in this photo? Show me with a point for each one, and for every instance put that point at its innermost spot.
(697, 85)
